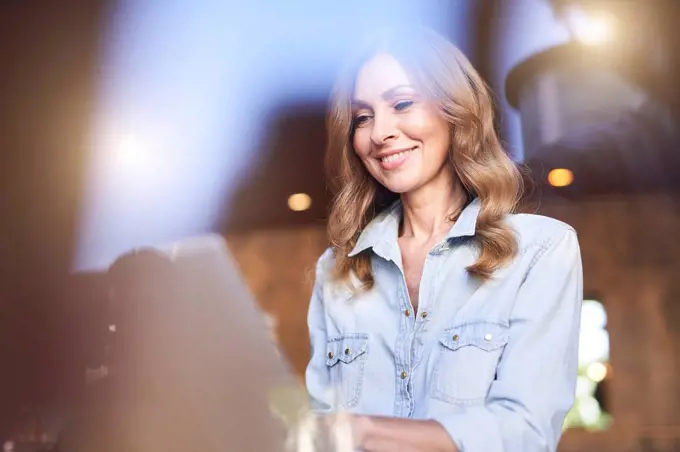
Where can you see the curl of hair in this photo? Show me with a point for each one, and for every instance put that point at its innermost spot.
(444, 74)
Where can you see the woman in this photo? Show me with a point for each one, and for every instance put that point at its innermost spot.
(439, 320)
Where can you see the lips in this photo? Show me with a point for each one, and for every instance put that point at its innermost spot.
(395, 159)
(397, 156)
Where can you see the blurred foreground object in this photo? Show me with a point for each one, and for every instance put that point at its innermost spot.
(192, 365)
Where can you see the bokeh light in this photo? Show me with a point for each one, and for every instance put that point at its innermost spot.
(299, 202)
(560, 177)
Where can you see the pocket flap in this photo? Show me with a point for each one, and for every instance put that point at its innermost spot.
(484, 335)
(345, 348)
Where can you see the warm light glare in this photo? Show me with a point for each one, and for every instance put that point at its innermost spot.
(590, 410)
(597, 372)
(299, 202)
(167, 157)
(592, 29)
(560, 177)
(593, 315)
(129, 152)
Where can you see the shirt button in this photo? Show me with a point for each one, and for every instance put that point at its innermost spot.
(488, 337)
(424, 315)
(455, 337)
(404, 374)
(330, 355)
(407, 313)
(347, 351)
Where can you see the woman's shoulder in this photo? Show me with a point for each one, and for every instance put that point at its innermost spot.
(325, 279)
(326, 275)
(540, 231)
(325, 263)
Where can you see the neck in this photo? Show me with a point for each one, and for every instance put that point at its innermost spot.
(428, 210)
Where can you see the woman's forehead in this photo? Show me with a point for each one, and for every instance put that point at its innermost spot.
(379, 77)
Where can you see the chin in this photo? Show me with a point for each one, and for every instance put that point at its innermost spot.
(400, 185)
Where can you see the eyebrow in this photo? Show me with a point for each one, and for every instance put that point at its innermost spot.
(388, 94)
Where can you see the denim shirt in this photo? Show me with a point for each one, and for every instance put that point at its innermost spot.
(494, 362)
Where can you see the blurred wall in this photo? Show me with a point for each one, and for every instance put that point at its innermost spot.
(278, 265)
(631, 260)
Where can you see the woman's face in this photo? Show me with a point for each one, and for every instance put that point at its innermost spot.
(398, 134)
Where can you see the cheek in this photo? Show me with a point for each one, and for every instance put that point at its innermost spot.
(433, 130)
(422, 124)
(415, 125)
(361, 143)
(441, 134)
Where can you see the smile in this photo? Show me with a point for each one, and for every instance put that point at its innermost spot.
(393, 161)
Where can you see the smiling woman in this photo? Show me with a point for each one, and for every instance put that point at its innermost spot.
(397, 113)
(435, 302)
(395, 159)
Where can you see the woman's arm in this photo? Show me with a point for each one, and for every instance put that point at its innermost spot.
(387, 434)
(536, 376)
(317, 378)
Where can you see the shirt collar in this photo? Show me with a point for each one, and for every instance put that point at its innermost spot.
(384, 228)
(466, 224)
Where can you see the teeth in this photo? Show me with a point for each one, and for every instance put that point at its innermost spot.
(396, 156)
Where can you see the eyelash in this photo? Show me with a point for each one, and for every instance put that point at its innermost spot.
(399, 106)
(402, 102)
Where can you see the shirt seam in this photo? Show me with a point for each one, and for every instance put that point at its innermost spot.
(545, 244)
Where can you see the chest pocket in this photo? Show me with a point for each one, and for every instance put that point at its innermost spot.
(346, 358)
(466, 365)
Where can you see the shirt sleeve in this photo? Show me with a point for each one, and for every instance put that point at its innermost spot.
(536, 376)
(317, 376)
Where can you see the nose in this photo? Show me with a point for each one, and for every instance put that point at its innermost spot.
(384, 129)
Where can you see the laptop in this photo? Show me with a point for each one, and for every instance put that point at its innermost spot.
(207, 375)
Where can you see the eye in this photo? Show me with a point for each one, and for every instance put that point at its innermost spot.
(360, 120)
(403, 105)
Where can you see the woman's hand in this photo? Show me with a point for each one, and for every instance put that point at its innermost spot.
(389, 434)
(345, 431)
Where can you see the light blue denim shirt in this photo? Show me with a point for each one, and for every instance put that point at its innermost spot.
(495, 362)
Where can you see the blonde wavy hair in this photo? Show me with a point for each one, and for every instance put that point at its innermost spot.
(441, 72)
